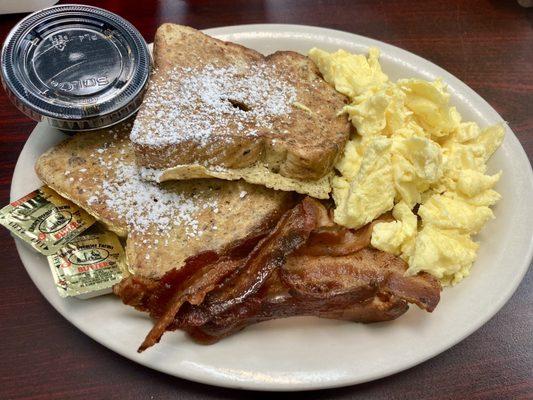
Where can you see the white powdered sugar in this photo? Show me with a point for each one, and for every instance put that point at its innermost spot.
(195, 104)
(92, 200)
(150, 174)
(145, 205)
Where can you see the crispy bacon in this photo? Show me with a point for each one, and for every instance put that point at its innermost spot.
(291, 232)
(163, 298)
(366, 272)
(305, 265)
(336, 241)
(152, 295)
(274, 301)
(367, 286)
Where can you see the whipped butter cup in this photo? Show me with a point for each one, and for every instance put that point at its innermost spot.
(76, 67)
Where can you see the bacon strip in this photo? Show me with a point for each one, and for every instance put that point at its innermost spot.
(164, 299)
(366, 286)
(274, 302)
(291, 232)
(153, 295)
(367, 271)
(336, 241)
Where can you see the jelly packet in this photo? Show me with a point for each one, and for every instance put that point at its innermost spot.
(45, 220)
(89, 265)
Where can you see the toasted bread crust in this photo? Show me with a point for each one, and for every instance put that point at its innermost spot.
(179, 44)
(301, 139)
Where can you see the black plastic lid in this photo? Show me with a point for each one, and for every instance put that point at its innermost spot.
(77, 67)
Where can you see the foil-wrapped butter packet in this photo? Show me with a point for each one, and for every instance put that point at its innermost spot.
(45, 220)
(89, 265)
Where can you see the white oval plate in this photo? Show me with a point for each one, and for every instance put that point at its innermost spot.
(308, 353)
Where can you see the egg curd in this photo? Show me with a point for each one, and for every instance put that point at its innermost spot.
(411, 150)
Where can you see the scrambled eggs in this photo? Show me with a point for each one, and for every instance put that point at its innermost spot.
(411, 148)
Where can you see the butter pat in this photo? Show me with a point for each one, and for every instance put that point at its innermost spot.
(45, 220)
(88, 266)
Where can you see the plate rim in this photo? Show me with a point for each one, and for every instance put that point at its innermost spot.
(465, 91)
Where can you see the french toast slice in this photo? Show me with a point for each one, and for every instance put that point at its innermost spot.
(164, 223)
(216, 108)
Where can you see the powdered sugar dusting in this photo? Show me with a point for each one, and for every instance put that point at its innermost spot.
(195, 104)
(150, 174)
(145, 205)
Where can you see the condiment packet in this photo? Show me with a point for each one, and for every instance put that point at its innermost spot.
(45, 220)
(89, 265)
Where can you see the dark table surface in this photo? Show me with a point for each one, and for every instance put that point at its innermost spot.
(487, 44)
